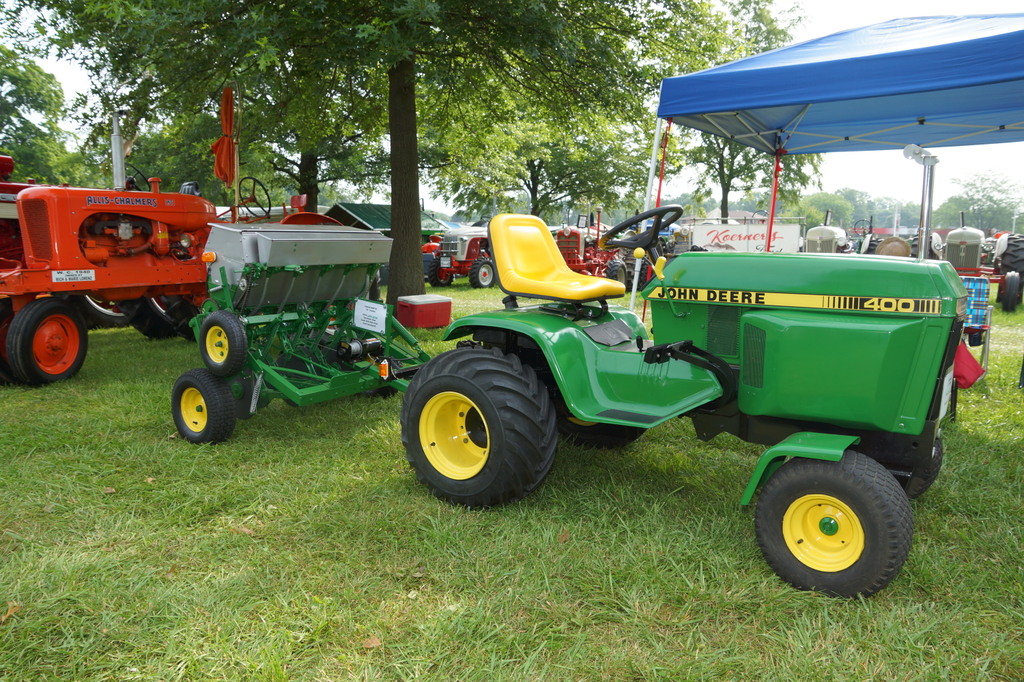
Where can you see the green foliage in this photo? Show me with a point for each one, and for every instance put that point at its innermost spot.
(988, 202)
(31, 106)
(816, 206)
(728, 166)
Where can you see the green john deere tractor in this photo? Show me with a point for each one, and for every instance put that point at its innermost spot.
(737, 347)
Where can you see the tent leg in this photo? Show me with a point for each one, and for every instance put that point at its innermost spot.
(775, 196)
(654, 164)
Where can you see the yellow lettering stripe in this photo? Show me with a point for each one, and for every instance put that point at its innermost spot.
(918, 306)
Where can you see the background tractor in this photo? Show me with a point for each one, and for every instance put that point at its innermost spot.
(1000, 261)
(463, 252)
(737, 349)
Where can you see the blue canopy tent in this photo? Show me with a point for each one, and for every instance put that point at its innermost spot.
(929, 81)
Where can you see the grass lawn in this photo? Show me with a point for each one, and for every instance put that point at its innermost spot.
(304, 549)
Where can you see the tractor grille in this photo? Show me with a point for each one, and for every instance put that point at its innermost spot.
(826, 245)
(449, 246)
(964, 255)
(37, 222)
(752, 371)
(724, 330)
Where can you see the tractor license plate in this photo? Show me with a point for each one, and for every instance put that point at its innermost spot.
(446, 261)
(947, 394)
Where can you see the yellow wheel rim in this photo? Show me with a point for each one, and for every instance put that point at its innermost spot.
(823, 533)
(217, 344)
(193, 409)
(454, 435)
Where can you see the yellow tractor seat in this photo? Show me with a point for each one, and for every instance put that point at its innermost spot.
(528, 263)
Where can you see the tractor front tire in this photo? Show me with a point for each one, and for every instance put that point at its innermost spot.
(46, 341)
(481, 273)
(478, 427)
(842, 528)
(437, 277)
(223, 344)
(203, 407)
(1011, 291)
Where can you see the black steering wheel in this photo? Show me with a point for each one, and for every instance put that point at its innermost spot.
(648, 239)
(254, 197)
(136, 180)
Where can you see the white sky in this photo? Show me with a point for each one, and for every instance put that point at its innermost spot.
(887, 173)
(879, 173)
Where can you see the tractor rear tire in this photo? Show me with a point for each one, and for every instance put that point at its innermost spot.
(161, 318)
(1012, 260)
(223, 344)
(435, 277)
(6, 315)
(46, 342)
(478, 427)
(98, 313)
(842, 528)
(203, 407)
(1010, 295)
(481, 273)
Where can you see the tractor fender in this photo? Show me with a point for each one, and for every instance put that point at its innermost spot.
(825, 446)
(599, 382)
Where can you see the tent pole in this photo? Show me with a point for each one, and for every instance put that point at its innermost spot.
(654, 164)
(775, 195)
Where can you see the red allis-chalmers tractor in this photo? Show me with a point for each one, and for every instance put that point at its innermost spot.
(141, 249)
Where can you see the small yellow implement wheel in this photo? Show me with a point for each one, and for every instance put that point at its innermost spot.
(223, 344)
(203, 407)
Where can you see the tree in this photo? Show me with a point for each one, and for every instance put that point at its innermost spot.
(729, 166)
(534, 166)
(986, 201)
(323, 77)
(817, 206)
(31, 105)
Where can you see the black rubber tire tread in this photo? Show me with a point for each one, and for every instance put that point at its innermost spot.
(155, 322)
(616, 269)
(94, 315)
(22, 331)
(919, 486)
(238, 343)
(1011, 291)
(519, 415)
(1012, 260)
(6, 311)
(875, 497)
(433, 278)
(220, 406)
(474, 273)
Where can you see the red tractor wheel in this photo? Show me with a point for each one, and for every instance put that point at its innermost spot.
(46, 342)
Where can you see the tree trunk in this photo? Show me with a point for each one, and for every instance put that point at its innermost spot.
(406, 273)
(309, 172)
